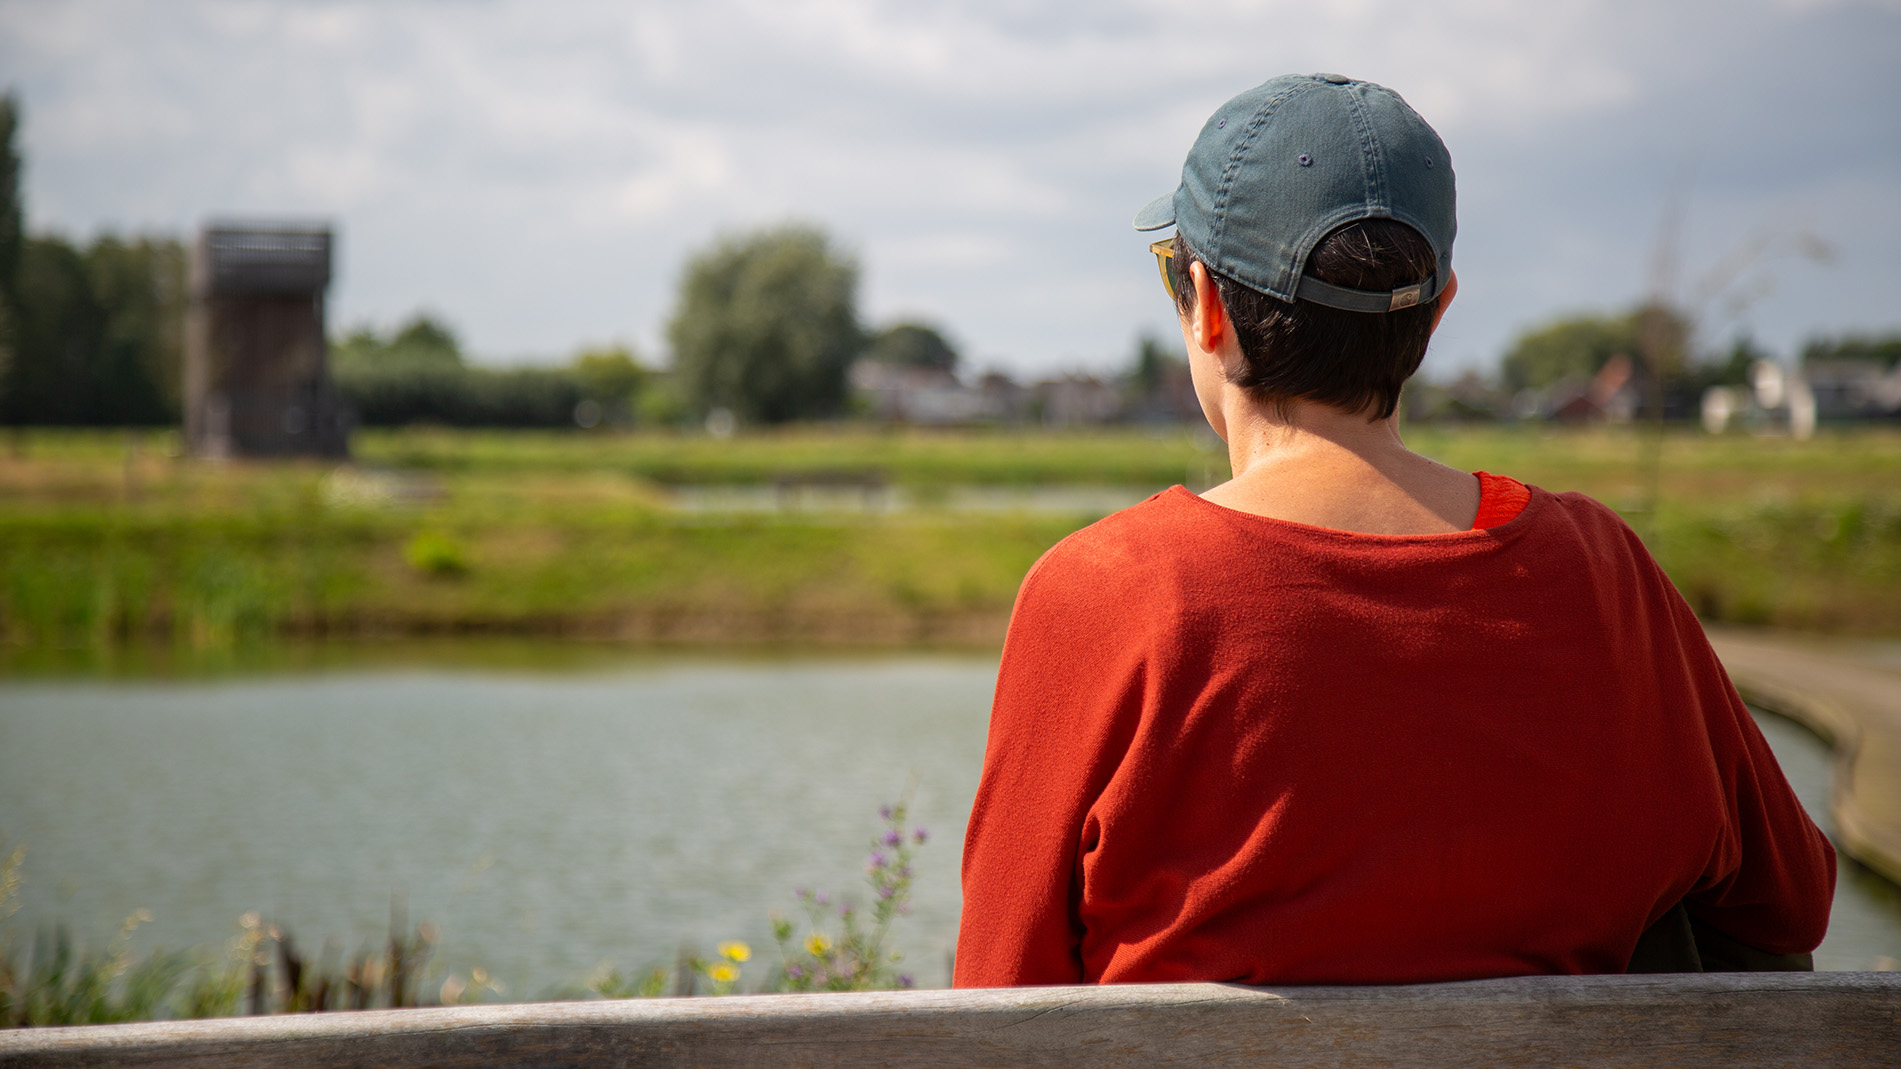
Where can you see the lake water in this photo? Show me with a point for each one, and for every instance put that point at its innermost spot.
(548, 822)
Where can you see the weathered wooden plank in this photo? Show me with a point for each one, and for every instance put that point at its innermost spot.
(1814, 1019)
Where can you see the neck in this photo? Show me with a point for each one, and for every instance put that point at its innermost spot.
(1318, 465)
(1261, 437)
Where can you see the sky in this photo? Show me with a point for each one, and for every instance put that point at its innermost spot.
(537, 173)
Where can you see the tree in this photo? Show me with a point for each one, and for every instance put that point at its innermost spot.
(1152, 364)
(1884, 350)
(12, 220)
(87, 335)
(610, 373)
(1576, 346)
(912, 345)
(1581, 345)
(422, 343)
(97, 334)
(767, 326)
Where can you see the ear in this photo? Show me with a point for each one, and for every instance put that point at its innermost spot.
(1445, 298)
(1207, 316)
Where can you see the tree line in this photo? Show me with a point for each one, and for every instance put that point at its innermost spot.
(90, 334)
(765, 327)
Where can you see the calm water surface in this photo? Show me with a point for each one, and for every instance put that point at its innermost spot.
(549, 823)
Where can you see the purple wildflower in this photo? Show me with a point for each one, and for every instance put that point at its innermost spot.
(906, 980)
(844, 909)
(892, 838)
(885, 891)
(884, 812)
(794, 971)
(822, 898)
(877, 859)
(920, 833)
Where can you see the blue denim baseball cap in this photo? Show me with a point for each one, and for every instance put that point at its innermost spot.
(1285, 163)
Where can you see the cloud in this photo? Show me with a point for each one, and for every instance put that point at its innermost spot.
(537, 172)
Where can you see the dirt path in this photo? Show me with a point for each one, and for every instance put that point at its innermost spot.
(1850, 693)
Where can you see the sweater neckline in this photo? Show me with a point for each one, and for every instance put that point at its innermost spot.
(1478, 534)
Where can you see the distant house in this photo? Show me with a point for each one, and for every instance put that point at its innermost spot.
(1608, 396)
(1168, 398)
(900, 393)
(1002, 398)
(1077, 400)
(1854, 389)
(1776, 401)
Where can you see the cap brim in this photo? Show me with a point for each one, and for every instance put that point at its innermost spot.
(1157, 213)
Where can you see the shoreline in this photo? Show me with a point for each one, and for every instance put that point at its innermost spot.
(1853, 702)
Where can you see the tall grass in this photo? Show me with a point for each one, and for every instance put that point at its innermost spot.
(54, 979)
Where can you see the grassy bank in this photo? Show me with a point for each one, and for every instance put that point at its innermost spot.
(108, 539)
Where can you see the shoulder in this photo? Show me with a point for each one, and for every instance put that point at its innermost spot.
(1120, 545)
(1596, 525)
(1119, 564)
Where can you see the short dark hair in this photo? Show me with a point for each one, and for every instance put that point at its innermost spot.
(1298, 350)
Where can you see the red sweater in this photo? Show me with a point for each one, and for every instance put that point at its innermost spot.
(1227, 747)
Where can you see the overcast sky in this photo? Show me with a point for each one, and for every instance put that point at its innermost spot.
(537, 172)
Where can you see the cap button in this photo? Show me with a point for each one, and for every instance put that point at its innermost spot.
(1336, 79)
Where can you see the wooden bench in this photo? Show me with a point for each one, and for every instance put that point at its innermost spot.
(1713, 1019)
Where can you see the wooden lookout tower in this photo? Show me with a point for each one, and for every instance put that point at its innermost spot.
(257, 370)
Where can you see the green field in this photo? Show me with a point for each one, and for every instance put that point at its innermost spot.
(108, 540)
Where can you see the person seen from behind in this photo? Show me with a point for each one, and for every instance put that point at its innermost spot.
(1354, 716)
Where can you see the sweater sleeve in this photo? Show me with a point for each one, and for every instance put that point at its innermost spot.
(1065, 706)
(1777, 895)
(1771, 882)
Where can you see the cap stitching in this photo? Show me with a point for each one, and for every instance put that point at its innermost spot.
(1217, 231)
(1370, 151)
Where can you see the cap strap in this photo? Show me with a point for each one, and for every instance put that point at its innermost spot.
(1312, 289)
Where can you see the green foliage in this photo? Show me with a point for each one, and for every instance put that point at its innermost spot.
(435, 553)
(1581, 345)
(1577, 346)
(767, 326)
(912, 345)
(609, 982)
(417, 374)
(88, 336)
(97, 333)
(1732, 368)
(1883, 349)
(12, 221)
(12, 213)
(422, 344)
(395, 395)
(659, 403)
(1152, 364)
(609, 374)
(61, 982)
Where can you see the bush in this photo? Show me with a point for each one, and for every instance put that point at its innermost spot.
(435, 553)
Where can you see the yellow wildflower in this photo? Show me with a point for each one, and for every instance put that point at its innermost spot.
(818, 944)
(735, 951)
(723, 973)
